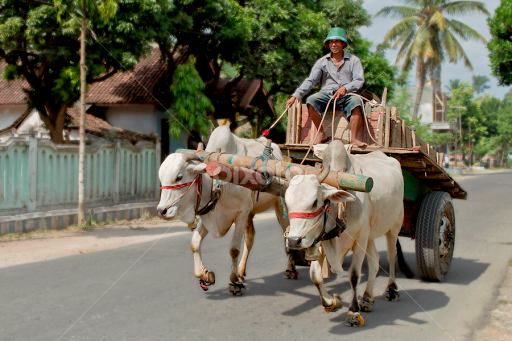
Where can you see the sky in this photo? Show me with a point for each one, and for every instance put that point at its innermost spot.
(475, 50)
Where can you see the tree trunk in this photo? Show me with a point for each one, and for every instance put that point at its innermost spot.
(422, 72)
(81, 150)
(54, 122)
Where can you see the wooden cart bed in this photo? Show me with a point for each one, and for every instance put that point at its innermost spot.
(420, 162)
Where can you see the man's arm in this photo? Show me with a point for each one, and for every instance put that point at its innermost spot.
(310, 82)
(357, 77)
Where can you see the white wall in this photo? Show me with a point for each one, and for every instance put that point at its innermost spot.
(9, 114)
(141, 119)
(426, 106)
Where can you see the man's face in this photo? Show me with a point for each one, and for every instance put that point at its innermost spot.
(335, 45)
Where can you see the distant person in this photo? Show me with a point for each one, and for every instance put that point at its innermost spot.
(340, 73)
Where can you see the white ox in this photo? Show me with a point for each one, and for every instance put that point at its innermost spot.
(368, 216)
(236, 205)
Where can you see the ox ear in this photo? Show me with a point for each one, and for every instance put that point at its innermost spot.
(197, 168)
(336, 195)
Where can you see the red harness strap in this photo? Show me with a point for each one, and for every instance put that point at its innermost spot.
(303, 215)
(196, 181)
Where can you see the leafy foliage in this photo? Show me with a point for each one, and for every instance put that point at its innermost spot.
(378, 72)
(480, 83)
(190, 106)
(500, 46)
(43, 50)
(470, 116)
(453, 84)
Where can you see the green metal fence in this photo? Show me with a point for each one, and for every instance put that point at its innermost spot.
(37, 173)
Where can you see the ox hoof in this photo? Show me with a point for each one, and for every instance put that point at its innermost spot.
(209, 277)
(336, 304)
(366, 304)
(392, 295)
(289, 274)
(235, 289)
(354, 319)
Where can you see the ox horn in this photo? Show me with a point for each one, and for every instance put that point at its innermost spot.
(191, 157)
(325, 172)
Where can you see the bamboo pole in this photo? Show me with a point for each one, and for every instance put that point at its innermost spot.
(347, 181)
(246, 177)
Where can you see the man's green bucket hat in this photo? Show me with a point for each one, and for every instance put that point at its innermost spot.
(336, 33)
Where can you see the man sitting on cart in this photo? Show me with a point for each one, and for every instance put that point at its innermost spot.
(340, 73)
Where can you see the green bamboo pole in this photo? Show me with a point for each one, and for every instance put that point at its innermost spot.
(347, 181)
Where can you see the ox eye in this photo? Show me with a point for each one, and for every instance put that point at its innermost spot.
(179, 177)
(316, 202)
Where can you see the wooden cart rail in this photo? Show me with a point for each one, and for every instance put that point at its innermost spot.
(417, 158)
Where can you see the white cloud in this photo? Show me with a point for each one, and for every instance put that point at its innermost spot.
(476, 51)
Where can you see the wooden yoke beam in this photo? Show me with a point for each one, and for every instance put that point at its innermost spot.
(347, 181)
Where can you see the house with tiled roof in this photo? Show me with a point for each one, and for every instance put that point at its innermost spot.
(126, 102)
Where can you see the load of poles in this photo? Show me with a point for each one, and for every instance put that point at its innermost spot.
(268, 175)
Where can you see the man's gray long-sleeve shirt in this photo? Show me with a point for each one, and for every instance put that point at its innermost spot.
(350, 75)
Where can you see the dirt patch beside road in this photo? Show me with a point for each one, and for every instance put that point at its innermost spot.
(45, 245)
(50, 244)
(499, 327)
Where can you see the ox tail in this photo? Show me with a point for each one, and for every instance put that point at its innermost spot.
(402, 265)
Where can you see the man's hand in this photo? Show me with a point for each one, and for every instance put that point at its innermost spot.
(290, 102)
(340, 93)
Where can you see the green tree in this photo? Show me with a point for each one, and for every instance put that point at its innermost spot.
(471, 116)
(489, 106)
(426, 35)
(500, 46)
(43, 50)
(453, 84)
(480, 84)
(279, 41)
(503, 141)
(190, 106)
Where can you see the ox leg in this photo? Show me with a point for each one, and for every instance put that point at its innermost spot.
(205, 276)
(330, 303)
(354, 317)
(235, 285)
(372, 258)
(291, 271)
(248, 242)
(391, 292)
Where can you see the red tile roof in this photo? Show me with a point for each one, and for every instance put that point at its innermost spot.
(123, 87)
(136, 86)
(98, 127)
(93, 125)
(11, 92)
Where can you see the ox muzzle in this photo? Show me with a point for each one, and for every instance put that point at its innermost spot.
(294, 243)
(167, 213)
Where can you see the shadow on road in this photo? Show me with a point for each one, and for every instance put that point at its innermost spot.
(391, 313)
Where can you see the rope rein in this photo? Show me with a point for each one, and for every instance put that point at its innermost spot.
(196, 181)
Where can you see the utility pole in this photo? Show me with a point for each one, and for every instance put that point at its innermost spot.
(81, 150)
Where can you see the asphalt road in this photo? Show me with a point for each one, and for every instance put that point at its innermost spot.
(148, 291)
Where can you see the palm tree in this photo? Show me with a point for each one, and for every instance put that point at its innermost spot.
(454, 84)
(425, 35)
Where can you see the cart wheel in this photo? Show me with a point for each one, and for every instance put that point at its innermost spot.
(300, 257)
(435, 236)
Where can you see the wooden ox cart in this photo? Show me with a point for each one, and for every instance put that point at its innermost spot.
(429, 189)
